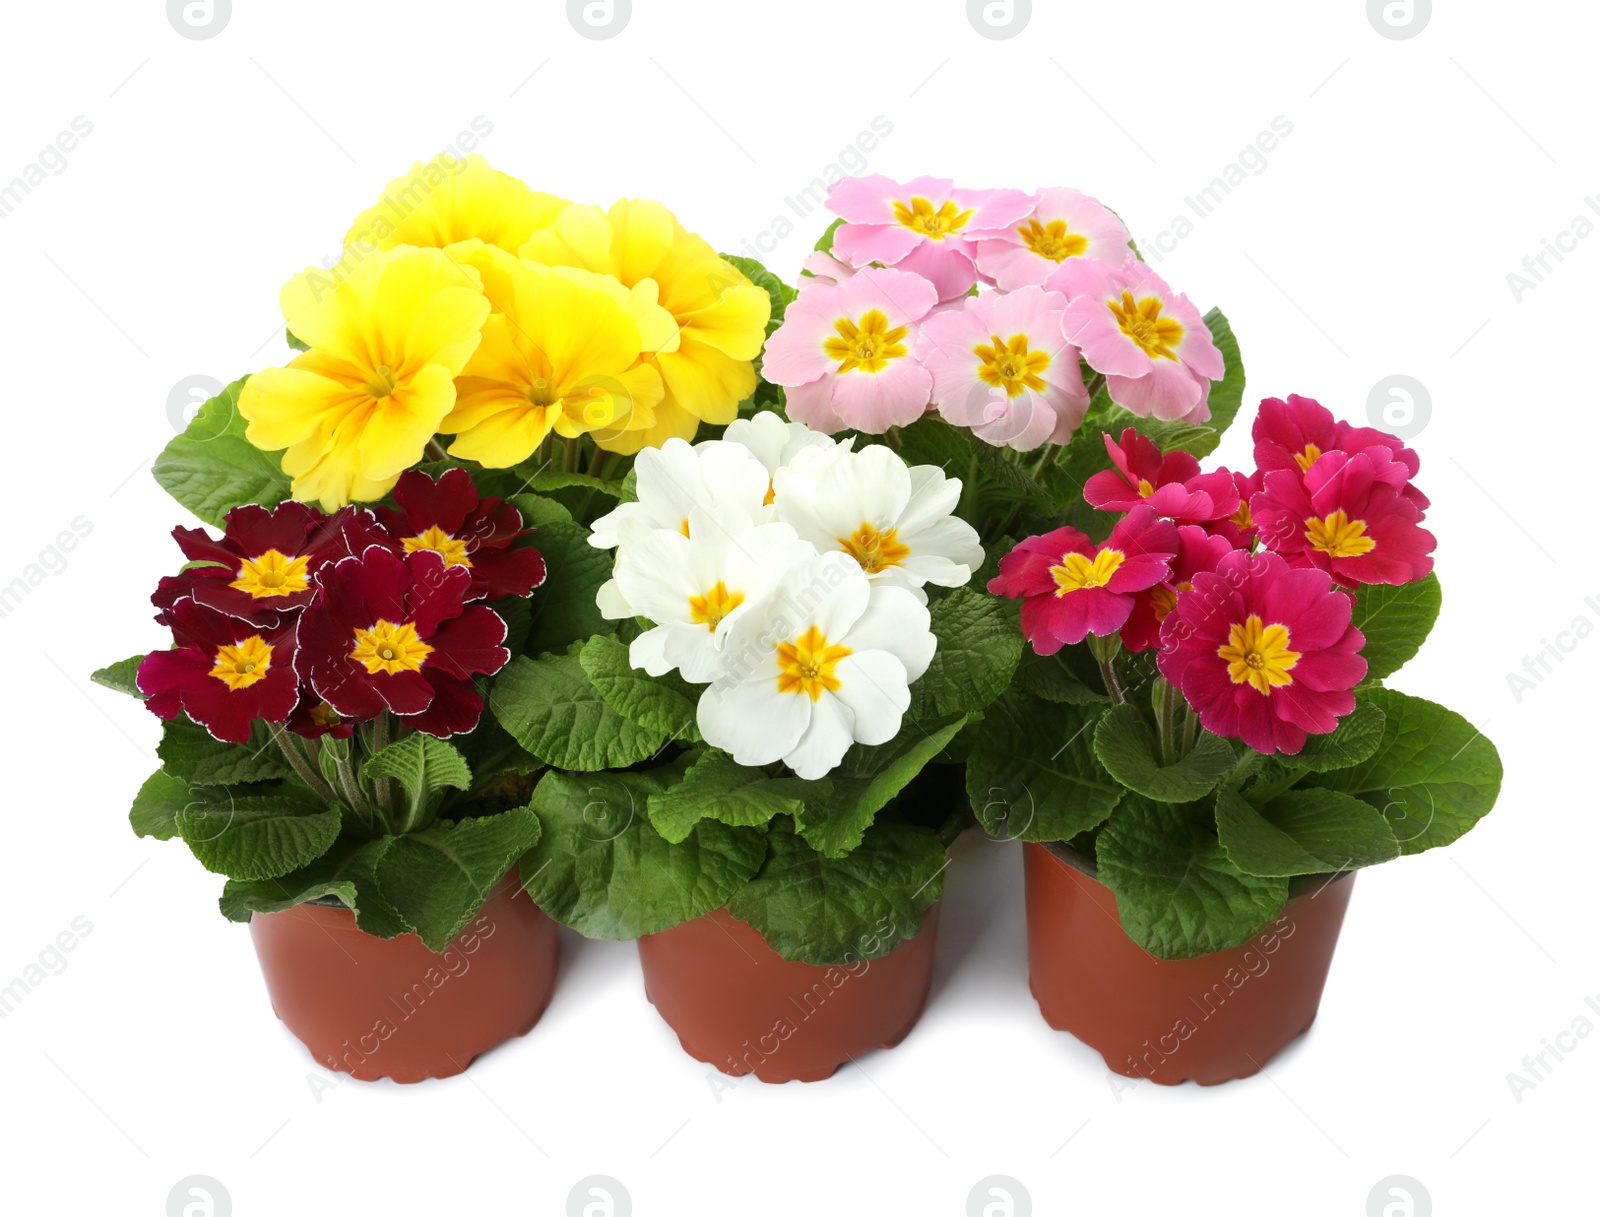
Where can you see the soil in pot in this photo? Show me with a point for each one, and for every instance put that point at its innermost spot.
(1212, 1018)
(389, 1007)
(737, 1004)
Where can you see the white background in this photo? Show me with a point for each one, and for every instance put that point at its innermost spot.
(1377, 240)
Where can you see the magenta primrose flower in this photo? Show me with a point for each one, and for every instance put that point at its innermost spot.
(1071, 588)
(1002, 367)
(1263, 651)
(1292, 434)
(1149, 341)
(921, 226)
(1198, 552)
(843, 352)
(1172, 484)
(1064, 223)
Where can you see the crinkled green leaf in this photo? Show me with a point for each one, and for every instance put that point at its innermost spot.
(211, 468)
(190, 752)
(979, 646)
(603, 869)
(866, 779)
(349, 874)
(424, 766)
(1127, 748)
(1033, 773)
(1354, 740)
(1302, 832)
(1396, 621)
(666, 704)
(716, 787)
(563, 606)
(554, 711)
(439, 878)
(156, 806)
(821, 910)
(1433, 776)
(120, 676)
(257, 836)
(1178, 894)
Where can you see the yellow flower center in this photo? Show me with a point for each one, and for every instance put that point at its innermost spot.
(1242, 517)
(272, 574)
(239, 666)
(875, 550)
(1164, 599)
(1307, 458)
(867, 345)
(1008, 364)
(1053, 240)
(710, 609)
(937, 225)
(440, 542)
(1152, 333)
(1145, 488)
(324, 715)
(381, 383)
(1338, 536)
(1077, 572)
(1259, 654)
(390, 648)
(807, 665)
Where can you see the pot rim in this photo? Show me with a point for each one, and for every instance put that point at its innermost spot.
(1085, 864)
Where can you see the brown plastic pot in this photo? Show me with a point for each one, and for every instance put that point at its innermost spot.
(1212, 1018)
(391, 1008)
(737, 1004)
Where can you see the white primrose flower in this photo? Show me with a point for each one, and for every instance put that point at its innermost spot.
(676, 477)
(825, 661)
(776, 443)
(695, 587)
(895, 521)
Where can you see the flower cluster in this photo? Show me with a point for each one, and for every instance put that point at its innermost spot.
(785, 571)
(888, 325)
(1241, 581)
(320, 622)
(469, 305)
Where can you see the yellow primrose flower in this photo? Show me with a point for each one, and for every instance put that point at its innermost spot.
(720, 315)
(449, 200)
(387, 342)
(562, 355)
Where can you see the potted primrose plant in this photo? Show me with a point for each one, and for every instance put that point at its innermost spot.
(481, 364)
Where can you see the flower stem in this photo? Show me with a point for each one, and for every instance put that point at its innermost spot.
(298, 762)
(574, 455)
(435, 450)
(1105, 651)
(382, 788)
(1093, 385)
(1191, 724)
(352, 788)
(1168, 706)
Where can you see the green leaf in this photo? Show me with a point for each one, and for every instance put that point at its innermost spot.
(538, 511)
(156, 806)
(1033, 772)
(1227, 394)
(665, 704)
(350, 876)
(1178, 894)
(779, 292)
(257, 836)
(211, 468)
(190, 752)
(864, 782)
(120, 676)
(822, 910)
(1433, 776)
(564, 608)
(1302, 832)
(547, 480)
(932, 441)
(1051, 680)
(1354, 740)
(1396, 621)
(553, 710)
(439, 878)
(425, 767)
(1127, 748)
(294, 343)
(716, 787)
(602, 869)
(979, 646)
